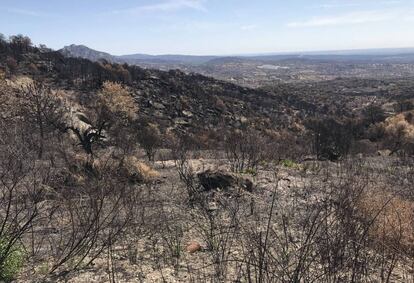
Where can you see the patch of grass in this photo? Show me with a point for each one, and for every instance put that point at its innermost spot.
(290, 164)
(250, 171)
(12, 260)
(43, 269)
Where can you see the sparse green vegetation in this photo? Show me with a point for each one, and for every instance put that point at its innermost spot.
(11, 259)
(252, 172)
(290, 164)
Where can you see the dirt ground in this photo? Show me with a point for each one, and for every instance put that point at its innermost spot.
(156, 250)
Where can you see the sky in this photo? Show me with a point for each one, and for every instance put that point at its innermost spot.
(212, 27)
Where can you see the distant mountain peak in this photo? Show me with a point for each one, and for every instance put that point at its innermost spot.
(82, 51)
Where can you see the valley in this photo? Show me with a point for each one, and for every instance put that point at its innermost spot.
(257, 71)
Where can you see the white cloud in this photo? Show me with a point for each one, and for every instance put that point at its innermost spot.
(249, 27)
(338, 4)
(166, 6)
(360, 17)
(24, 12)
(196, 26)
(391, 2)
(409, 17)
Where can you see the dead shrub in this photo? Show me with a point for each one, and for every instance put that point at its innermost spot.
(130, 168)
(244, 150)
(140, 169)
(332, 138)
(119, 100)
(150, 140)
(399, 132)
(393, 226)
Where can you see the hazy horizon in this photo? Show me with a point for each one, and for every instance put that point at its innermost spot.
(388, 50)
(213, 27)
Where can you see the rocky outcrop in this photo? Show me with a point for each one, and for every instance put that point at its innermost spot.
(81, 51)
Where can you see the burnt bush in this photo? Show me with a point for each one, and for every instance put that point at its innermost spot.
(149, 138)
(244, 150)
(332, 138)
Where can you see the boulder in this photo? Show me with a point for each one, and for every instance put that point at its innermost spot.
(211, 180)
(181, 121)
(193, 247)
(158, 106)
(187, 114)
(385, 152)
(310, 158)
(158, 114)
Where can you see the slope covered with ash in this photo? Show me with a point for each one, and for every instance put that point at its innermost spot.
(174, 100)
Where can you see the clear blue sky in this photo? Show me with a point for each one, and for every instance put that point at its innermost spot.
(212, 26)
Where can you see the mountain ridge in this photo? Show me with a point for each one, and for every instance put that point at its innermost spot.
(82, 51)
(384, 54)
